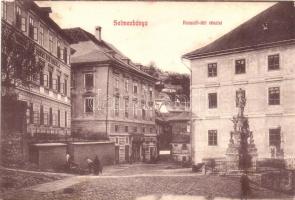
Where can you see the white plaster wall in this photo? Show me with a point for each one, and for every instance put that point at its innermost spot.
(256, 82)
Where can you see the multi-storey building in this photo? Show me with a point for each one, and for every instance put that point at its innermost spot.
(258, 57)
(111, 97)
(48, 99)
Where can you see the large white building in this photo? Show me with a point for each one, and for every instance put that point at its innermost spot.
(258, 57)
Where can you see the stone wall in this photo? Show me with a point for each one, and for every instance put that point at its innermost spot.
(49, 155)
(12, 150)
(80, 151)
(283, 181)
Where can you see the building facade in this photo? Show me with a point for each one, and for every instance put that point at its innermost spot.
(112, 98)
(48, 98)
(180, 142)
(256, 57)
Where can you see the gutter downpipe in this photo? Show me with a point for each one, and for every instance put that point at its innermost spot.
(191, 114)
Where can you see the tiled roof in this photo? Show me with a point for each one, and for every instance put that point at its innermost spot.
(275, 24)
(82, 42)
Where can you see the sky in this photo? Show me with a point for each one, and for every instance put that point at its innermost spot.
(169, 29)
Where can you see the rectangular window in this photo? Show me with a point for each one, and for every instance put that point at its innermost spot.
(50, 80)
(58, 118)
(274, 96)
(58, 83)
(126, 108)
(240, 66)
(58, 49)
(212, 98)
(4, 9)
(18, 18)
(50, 117)
(41, 115)
(212, 137)
(143, 113)
(89, 80)
(243, 94)
(135, 89)
(116, 128)
(66, 87)
(126, 85)
(135, 110)
(89, 105)
(143, 129)
(274, 62)
(135, 129)
(212, 69)
(151, 94)
(41, 37)
(50, 42)
(117, 106)
(23, 24)
(66, 119)
(126, 129)
(31, 27)
(65, 55)
(275, 137)
(116, 82)
(35, 33)
(41, 78)
(31, 113)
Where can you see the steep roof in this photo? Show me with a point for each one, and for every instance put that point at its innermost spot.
(43, 13)
(274, 25)
(90, 49)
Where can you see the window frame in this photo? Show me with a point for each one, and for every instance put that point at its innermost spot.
(117, 106)
(272, 99)
(85, 107)
(212, 137)
(275, 137)
(273, 66)
(212, 105)
(237, 65)
(212, 70)
(88, 87)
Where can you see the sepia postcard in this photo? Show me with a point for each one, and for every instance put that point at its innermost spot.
(147, 100)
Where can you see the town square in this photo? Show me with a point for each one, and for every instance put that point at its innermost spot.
(147, 100)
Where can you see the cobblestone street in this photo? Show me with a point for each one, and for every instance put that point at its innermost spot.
(145, 181)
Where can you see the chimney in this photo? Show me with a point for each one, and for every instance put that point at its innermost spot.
(98, 33)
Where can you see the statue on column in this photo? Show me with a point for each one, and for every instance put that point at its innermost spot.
(241, 101)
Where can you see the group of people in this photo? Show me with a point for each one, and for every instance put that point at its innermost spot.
(94, 166)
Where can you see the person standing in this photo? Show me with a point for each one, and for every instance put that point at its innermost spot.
(245, 186)
(68, 161)
(89, 164)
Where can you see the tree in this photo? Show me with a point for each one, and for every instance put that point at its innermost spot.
(19, 62)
